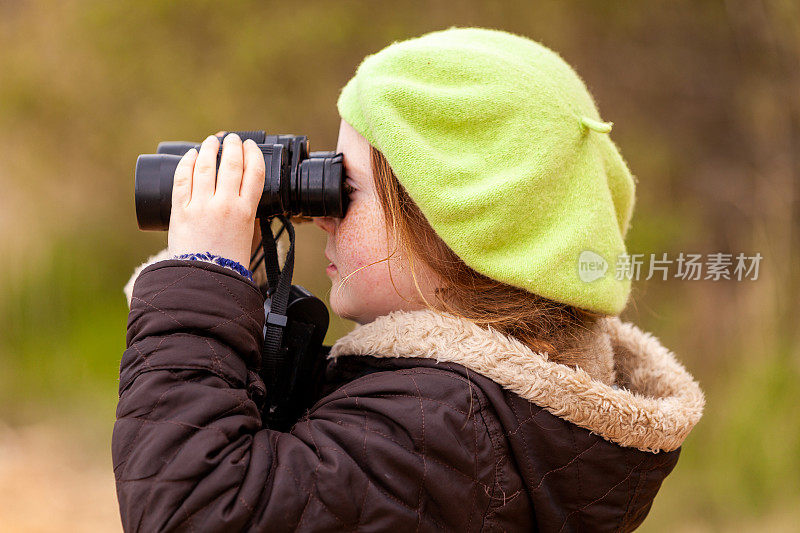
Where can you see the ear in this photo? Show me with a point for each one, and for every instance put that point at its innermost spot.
(160, 256)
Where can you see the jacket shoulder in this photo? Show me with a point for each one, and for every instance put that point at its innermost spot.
(442, 413)
(366, 375)
(570, 476)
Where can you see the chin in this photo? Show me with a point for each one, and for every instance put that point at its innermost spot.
(357, 315)
(339, 308)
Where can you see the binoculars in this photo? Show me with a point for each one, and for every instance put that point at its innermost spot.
(297, 182)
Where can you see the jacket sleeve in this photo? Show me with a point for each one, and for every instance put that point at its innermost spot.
(189, 451)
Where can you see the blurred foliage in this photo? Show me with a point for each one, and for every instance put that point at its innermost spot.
(705, 100)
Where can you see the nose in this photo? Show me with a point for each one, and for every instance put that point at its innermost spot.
(326, 223)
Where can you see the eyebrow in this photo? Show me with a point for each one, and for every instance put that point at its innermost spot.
(352, 172)
(355, 181)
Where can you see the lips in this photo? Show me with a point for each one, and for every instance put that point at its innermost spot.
(331, 268)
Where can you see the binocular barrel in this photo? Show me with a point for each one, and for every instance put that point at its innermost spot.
(296, 183)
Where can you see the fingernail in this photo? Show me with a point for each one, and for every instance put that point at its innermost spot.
(233, 137)
(210, 138)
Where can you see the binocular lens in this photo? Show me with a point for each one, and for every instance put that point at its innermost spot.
(153, 189)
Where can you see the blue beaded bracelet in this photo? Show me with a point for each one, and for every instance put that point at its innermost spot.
(217, 260)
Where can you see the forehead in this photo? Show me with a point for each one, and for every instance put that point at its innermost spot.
(355, 149)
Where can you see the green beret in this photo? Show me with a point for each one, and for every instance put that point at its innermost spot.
(499, 142)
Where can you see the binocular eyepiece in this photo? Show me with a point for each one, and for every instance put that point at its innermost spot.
(297, 182)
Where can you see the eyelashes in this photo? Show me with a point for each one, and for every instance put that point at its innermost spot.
(349, 189)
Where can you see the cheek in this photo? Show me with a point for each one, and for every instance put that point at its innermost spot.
(361, 238)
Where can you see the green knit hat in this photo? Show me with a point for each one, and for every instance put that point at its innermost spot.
(499, 143)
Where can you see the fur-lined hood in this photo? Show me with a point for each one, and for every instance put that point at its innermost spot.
(630, 389)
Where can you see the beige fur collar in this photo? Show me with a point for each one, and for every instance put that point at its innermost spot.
(636, 395)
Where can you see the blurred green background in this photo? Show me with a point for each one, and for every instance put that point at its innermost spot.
(705, 100)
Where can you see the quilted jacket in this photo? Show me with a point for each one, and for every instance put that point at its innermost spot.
(426, 422)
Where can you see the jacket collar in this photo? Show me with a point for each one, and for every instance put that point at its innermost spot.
(630, 389)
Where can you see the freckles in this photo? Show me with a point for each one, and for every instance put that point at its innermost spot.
(362, 235)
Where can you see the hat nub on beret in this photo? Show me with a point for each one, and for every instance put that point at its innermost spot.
(489, 134)
(600, 127)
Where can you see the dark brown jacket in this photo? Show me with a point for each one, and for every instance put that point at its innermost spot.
(491, 437)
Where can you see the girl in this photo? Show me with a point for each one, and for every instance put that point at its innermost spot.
(489, 385)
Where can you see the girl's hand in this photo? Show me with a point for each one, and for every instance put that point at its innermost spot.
(213, 213)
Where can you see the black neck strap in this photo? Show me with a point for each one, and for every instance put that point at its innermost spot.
(279, 283)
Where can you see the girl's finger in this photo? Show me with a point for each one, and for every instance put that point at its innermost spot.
(182, 180)
(205, 169)
(253, 180)
(229, 177)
